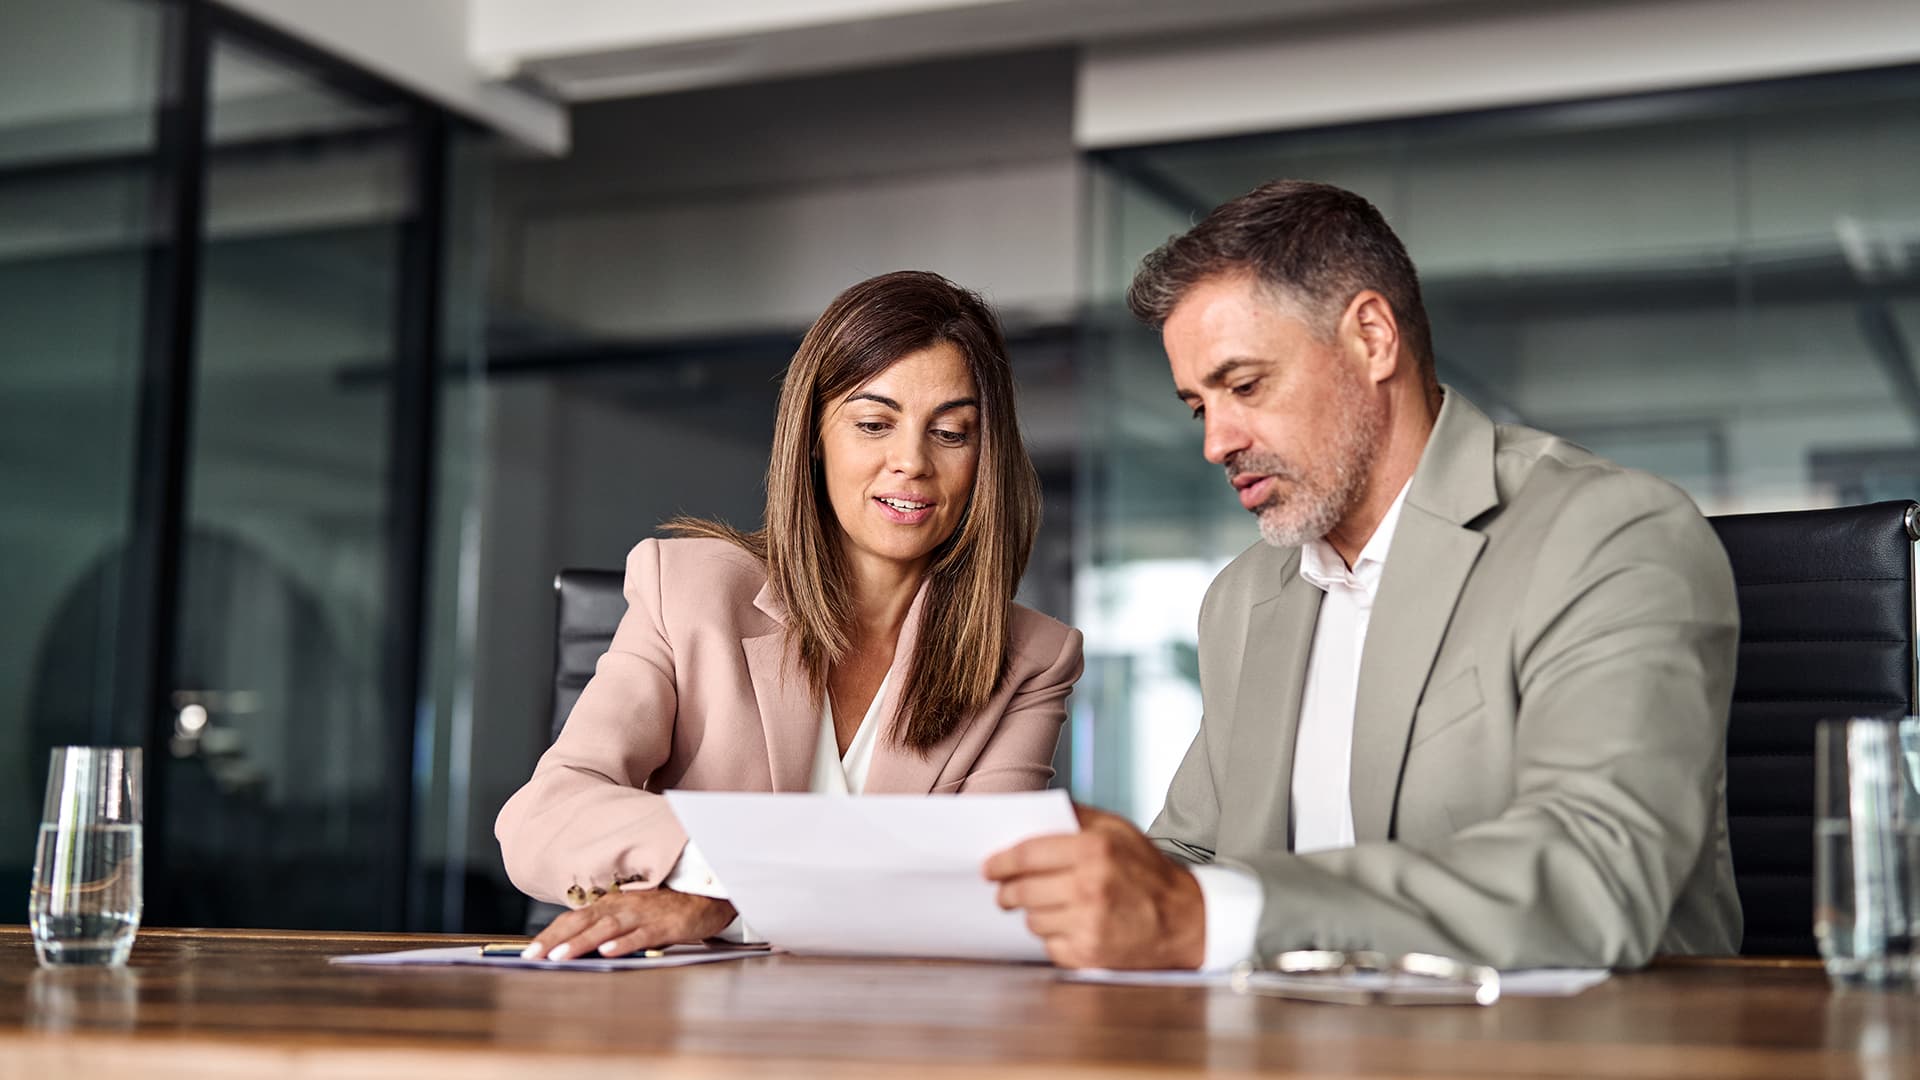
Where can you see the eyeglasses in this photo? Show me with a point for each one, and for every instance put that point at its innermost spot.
(1369, 978)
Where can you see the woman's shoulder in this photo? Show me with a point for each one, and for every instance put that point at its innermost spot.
(696, 570)
(705, 553)
(1041, 640)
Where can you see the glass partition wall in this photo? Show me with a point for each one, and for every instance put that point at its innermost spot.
(221, 328)
(1721, 286)
(79, 98)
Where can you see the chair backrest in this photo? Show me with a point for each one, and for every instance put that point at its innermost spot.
(1826, 629)
(588, 605)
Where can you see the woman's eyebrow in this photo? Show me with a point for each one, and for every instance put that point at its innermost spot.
(943, 407)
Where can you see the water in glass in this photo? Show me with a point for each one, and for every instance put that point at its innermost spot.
(1863, 907)
(86, 906)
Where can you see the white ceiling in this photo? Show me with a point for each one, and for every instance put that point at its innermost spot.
(581, 50)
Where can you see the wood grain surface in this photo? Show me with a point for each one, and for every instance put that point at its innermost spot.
(213, 1004)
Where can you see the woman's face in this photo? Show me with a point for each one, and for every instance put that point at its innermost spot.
(900, 453)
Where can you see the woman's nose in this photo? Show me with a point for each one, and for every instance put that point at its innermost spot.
(908, 455)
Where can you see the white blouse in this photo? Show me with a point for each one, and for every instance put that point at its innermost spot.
(838, 774)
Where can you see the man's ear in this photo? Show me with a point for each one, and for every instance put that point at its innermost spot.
(1373, 334)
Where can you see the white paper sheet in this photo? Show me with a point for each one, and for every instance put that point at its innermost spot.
(872, 875)
(469, 955)
(1528, 982)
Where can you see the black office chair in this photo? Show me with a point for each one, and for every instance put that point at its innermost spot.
(588, 606)
(1826, 629)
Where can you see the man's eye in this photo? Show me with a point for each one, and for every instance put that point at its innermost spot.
(1245, 388)
(1199, 411)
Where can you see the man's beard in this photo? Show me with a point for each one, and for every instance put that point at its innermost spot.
(1307, 505)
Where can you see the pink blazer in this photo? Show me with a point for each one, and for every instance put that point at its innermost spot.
(692, 694)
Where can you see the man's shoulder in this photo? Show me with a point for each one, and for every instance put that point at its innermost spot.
(1562, 506)
(1536, 467)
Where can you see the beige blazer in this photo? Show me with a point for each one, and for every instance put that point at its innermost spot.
(697, 692)
(1538, 770)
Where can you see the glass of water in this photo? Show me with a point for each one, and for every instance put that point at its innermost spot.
(86, 872)
(1867, 849)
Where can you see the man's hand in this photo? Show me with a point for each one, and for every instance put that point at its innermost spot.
(1104, 897)
(623, 922)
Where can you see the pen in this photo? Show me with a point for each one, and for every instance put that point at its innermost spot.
(514, 950)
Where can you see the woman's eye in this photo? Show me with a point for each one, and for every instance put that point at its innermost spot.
(951, 438)
(870, 427)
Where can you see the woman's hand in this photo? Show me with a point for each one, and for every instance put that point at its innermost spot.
(623, 922)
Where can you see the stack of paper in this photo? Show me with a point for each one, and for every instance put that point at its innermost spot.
(469, 955)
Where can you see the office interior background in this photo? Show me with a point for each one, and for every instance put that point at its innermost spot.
(330, 331)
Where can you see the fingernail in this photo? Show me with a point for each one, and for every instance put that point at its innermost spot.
(533, 951)
(560, 952)
(606, 949)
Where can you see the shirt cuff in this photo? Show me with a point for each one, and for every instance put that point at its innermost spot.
(1234, 901)
(692, 875)
(740, 933)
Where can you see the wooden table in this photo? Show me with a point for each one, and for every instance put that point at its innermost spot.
(216, 1004)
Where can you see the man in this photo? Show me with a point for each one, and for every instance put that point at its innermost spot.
(1470, 695)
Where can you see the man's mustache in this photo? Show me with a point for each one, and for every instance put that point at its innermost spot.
(1244, 462)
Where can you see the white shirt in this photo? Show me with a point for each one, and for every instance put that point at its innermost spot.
(1322, 802)
(833, 774)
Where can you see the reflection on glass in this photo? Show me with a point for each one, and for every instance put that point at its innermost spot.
(283, 797)
(1674, 285)
(83, 999)
(77, 117)
(444, 737)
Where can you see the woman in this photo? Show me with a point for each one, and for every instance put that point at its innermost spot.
(865, 640)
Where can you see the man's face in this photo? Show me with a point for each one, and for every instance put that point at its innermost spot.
(1293, 418)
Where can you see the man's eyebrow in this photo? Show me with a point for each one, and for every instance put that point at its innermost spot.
(1218, 376)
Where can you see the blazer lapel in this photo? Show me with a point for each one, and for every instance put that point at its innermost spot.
(1428, 562)
(1410, 617)
(1273, 669)
(789, 715)
(896, 770)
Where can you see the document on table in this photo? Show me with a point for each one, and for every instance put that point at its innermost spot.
(673, 956)
(872, 875)
(1529, 982)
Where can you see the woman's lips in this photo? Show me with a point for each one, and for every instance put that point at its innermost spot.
(903, 517)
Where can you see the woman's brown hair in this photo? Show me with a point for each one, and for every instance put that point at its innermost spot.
(961, 653)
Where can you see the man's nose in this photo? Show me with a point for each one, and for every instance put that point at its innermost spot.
(1224, 438)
